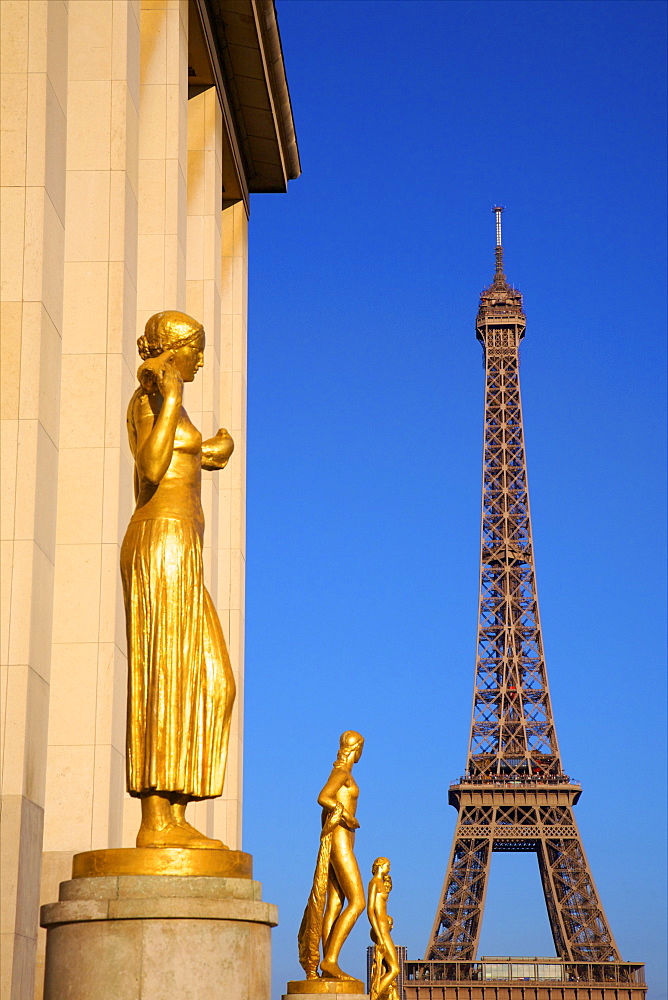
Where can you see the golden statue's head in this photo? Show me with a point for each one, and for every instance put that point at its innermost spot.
(176, 333)
(351, 745)
(380, 863)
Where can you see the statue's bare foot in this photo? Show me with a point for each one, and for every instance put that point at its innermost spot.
(330, 970)
(167, 835)
(198, 840)
(202, 840)
(175, 835)
(178, 816)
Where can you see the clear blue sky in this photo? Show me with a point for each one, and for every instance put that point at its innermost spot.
(365, 427)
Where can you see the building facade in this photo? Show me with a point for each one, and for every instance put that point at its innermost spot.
(133, 134)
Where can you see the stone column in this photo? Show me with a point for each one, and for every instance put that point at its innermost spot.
(85, 774)
(232, 495)
(203, 279)
(163, 131)
(162, 195)
(216, 269)
(34, 107)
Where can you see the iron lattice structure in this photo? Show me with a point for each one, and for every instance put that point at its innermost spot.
(514, 795)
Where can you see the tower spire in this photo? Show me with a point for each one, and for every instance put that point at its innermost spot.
(499, 276)
(498, 209)
(500, 316)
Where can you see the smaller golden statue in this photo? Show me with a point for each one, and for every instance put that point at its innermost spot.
(337, 896)
(385, 965)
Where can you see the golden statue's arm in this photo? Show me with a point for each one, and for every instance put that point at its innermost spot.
(329, 801)
(155, 434)
(372, 907)
(217, 450)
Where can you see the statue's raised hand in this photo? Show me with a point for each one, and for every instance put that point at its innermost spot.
(160, 375)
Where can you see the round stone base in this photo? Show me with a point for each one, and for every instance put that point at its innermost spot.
(158, 937)
(315, 989)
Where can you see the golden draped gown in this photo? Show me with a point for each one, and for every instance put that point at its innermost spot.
(180, 682)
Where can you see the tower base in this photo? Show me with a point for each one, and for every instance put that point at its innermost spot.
(523, 979)
(158, 937)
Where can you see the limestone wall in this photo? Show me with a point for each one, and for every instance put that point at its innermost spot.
(112, 210)
(34, 109)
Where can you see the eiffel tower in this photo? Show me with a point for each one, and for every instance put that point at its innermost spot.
(514, 795)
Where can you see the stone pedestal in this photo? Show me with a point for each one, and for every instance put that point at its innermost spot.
(158, 937)
(316, 989)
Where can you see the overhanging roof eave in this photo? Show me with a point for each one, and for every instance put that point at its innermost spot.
(250, 61)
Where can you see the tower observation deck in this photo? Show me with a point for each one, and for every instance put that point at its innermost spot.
(514, 794)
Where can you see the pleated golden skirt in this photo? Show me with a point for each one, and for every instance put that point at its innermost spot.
(180, 683)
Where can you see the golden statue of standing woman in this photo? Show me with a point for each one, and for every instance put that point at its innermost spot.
(385, 965)
(337, 896)
(180, 683)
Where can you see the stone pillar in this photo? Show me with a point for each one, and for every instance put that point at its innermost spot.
(159, 937)
(85, 773)
(34, 107)
(232, 494)
(163, 130)
(203, 288)
(162, 196)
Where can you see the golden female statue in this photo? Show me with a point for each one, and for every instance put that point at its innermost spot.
(337, 896)
(180, 687)
(385, 967)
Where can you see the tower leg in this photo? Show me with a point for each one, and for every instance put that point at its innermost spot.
(459, 917)
(579, 927)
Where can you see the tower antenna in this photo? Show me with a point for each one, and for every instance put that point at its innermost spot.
(498, 209)
(499, 276)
